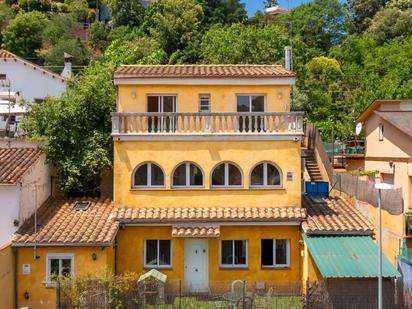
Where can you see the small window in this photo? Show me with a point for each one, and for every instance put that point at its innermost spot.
(233, 253)
(83, 205)
(381, 132)
(187, 175)
(59, 266)
(226, 175)
(204, 103)
(265, 175)
(149, 175)
(275, 253)
(158, 253)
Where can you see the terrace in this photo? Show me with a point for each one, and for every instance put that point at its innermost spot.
(272, 125)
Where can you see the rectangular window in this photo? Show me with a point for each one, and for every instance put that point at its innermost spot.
(233, 253)
(204, 103)
(158, 253)
(58, 266)
(250, 103)
(381, 132)
(161, 104)
(275, 253)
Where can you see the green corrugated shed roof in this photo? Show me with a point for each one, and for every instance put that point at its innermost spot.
(347, 257)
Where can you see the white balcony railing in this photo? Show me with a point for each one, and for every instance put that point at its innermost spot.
(207, 123)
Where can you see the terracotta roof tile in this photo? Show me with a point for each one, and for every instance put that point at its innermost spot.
(14, 162)
(217, 214)
(59, 223)
(203, 71)
(6, 54)
(334, 215)
(196, 231)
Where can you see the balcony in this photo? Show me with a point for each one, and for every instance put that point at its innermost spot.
(241, 125)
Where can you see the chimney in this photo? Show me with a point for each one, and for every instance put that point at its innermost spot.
(288, 58)
(67, 71)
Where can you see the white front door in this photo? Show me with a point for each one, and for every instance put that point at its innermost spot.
(196, 265)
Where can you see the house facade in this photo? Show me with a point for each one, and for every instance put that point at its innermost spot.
(209, 155)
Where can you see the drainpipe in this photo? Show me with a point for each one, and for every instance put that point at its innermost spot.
(115, 256)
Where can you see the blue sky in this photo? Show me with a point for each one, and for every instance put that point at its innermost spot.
(253, 5)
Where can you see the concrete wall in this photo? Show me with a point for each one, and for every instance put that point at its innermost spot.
(7, 277)
(9, 211)
(31, 83)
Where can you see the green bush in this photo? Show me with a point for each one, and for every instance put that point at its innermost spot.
(35, 5)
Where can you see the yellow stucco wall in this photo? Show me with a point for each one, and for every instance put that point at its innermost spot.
(131, 244)
(207, 154)
(7, 277)
(41, 296)
(132, 98)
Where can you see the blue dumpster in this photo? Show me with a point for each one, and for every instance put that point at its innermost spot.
(317, 189)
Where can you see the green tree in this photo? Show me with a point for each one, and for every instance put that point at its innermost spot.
(99, 35)
(55, 56)
(24, 34)
(35, 5)
(399, 4)
(270, 3)
(59, 27)
(223, 11)
(174, 23)
(78, 8)
(391, 23)
(126, 12)
(244, 44)
(362, 12)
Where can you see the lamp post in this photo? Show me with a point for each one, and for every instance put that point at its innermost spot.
(380, 187)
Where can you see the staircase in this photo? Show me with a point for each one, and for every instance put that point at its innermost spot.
(312, 166)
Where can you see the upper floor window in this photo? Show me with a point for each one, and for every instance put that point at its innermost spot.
(148, 175)
(275, 253)
(187, 175)
(204, 103)
(250, 103)
(265, 175)
(381, 132)
(226, 175)
(161, 103)
(59, 266)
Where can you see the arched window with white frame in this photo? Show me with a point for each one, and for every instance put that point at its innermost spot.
(148, 175)
(226, 175)
(187, 175)
(266, 175)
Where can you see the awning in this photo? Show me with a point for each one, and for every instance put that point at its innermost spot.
(348, 257)
(196, 231)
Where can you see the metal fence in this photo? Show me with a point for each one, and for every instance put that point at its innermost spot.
(364, 190)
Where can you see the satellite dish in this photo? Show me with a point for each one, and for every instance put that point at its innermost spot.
(358, 128)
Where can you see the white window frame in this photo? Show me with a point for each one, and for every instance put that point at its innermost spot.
(149, 177)
(233, 254)
(250, 100)
(187, 185)
(265, 176)
(60, 257)
(202, 97)
(157, 266)
(274, 265)
(160, 104)
(381, 132)
(226, 174)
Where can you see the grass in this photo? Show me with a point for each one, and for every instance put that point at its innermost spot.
(280, 302)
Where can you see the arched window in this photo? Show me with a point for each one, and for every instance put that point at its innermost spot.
(187, 175)
(148, 175)
(226, 175)
(265, 175)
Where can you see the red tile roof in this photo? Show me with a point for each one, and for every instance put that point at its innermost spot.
(218, 214)
(334, 216)
(203, 71)
(14, 162)
(60, 224)
(196, 231)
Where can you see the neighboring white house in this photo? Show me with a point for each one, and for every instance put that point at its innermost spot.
(25, 184)
(33, 83)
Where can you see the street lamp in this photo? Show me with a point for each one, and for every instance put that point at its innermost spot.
(380, 187)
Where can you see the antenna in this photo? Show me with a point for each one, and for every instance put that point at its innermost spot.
(358, 128)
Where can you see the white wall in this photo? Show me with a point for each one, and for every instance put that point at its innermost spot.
(31, 83)
(9, 211)
(18, 202)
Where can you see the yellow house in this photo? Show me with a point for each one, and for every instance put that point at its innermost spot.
(207, 173)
